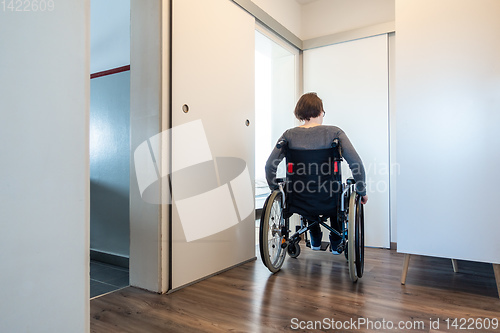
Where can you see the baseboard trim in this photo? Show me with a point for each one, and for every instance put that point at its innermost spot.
(109, 258)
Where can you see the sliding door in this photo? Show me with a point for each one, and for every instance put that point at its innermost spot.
(212, 138)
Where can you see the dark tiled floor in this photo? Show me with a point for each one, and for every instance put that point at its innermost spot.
(105, 278)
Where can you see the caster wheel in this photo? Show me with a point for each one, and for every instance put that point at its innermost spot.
(293, 250)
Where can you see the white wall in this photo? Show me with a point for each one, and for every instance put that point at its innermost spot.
(110, 164)
(110, 34)
(44, 173)
(286, 12)
(447, 82)
(276, 92)
(326, 17)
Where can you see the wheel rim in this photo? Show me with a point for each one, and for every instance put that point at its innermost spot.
(351, 235)
(271, 226)
(274, 233)
(360, 238)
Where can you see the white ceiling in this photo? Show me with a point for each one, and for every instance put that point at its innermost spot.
(303, 2)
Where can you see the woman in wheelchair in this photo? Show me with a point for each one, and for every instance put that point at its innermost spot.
(313, 185)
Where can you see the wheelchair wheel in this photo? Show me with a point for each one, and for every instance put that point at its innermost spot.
(272, 225)
(360, 237)
(352, 230)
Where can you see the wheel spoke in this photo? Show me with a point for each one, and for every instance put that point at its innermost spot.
(271, 233)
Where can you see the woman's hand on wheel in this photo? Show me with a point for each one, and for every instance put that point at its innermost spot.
(364, 199)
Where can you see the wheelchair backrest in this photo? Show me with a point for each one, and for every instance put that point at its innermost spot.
(314, 181)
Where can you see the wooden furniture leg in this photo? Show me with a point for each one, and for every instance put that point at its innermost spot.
(405, 268)
(454, 263)
(496, 269)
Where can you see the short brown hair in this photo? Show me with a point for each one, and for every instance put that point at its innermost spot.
(309, 106)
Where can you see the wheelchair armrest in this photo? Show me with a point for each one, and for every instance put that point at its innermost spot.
(351, 181)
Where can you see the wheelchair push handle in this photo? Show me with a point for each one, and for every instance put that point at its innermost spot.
(336, 145)
(281, 144)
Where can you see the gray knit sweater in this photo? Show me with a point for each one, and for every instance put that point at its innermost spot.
(317, 137)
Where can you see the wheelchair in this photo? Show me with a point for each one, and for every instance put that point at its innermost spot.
(313, 189)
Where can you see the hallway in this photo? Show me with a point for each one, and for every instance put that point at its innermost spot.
(105, 278)
(314, 287)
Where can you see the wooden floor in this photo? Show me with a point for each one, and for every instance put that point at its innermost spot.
(312, 290)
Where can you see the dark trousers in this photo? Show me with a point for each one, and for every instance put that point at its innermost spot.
(316, 234)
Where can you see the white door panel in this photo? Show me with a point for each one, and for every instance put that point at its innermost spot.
(213, 224)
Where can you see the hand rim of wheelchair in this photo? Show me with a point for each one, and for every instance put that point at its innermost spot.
(270, 237)
(356, 239)
(360, 237)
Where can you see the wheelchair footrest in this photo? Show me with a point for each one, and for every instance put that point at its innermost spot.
(324, 245)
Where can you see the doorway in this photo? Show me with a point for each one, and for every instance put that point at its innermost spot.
(276, 92)
(109, 146)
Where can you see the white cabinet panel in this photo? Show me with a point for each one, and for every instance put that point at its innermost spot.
(448, 114)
